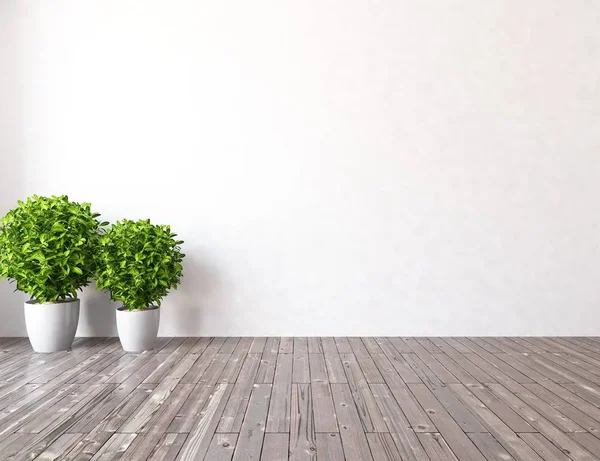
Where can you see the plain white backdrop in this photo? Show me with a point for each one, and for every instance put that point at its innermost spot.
(335, 167)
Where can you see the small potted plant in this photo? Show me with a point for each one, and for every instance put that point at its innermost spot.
(138, 263)
(47, 247)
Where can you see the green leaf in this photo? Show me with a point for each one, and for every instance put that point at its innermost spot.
(138, 262)
(48, 246)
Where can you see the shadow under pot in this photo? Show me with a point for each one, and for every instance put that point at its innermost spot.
(51, 327)
(138, 329)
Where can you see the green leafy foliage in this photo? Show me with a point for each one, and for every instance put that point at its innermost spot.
(138, 262)
(47, 246)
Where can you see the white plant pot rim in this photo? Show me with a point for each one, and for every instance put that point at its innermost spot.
(58, 301)
(145, 309)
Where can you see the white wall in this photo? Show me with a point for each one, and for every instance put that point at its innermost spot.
(335, 167)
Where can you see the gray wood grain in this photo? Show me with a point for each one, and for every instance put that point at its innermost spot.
(490, 447)
(453, 434)
(222, 447)
(501, 432)
(149, 436)
(436, 447)
(276, 447)
(588, 441)
(324, 411)
(323, 398)
(503, 411)
(354, 440)
(318, 370)
(302, 433)
(301, 371)
(383, 447)
(329, 447)
(168, 447)
(236, 361)
(233, 415)
(314, 345)
(198, 441)
(279, 410)
(368, 412)
(252, 433)
(404, 436)
(268, 362)
(393, 359)
(286, 345)
(335, 370)
(229, 345)
(114, 448)
(190, 412)
(258, 345)
(546, 449)
(545, 427)
(60, 447)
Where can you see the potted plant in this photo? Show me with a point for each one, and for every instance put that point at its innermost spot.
(138, 263)
(47, 247)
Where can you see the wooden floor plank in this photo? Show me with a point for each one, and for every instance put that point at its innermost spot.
(399, 363)
(354, 440)
(258, 345)
(229, 345)
(234, 412)
(329, 447)
(500, 430)
(324, 411)
(198, 441)
(335, 370)
(405, 438)
(371, 345)
(369, 413)
(451, 431)
(201, 399)
(317, 368)
(302, 432)
(252, 433)
(235, 361)
(301, 371)
(114, 448)
(298, 398)
(286, 345)
(281, 398)
(150, 434)
(168, 447)
(44, 439)
(60, 448)
(268, 362)
(574, 400)
(490, 447)
(383, 447)
(500, 409)
(222, 447)
(314, 345)
(588, 441)
(99, 433)
(545, 427)
(276, 447)
(544, 447)
(436, 447)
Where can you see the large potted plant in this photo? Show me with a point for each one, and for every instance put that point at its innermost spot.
(47, 247)
(138, 263)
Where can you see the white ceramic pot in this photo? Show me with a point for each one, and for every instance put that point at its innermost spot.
(51, 327)
(138, 329)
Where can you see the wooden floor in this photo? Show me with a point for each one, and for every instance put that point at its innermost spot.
(325, 399)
